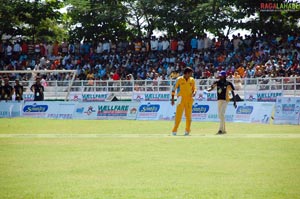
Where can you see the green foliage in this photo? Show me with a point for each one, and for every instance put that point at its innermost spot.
(27, 18)
(91, 19)
(127, 19)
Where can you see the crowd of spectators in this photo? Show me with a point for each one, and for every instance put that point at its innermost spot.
(157, 58)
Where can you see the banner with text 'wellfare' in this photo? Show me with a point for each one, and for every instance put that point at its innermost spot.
(106, 110)
(151, 96)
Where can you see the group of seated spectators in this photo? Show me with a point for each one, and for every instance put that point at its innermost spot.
(156, 58)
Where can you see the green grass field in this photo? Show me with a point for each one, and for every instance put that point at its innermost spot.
(138, 159)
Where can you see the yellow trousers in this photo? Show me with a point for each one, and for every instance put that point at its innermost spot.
(186, 106)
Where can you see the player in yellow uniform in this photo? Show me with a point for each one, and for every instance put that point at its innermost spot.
(186, 89)
(223, 88)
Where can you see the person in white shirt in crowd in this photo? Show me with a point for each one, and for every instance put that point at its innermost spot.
(154, 44)
(180, 45)
(165, 44)
(17, 48)
(200, 43)
(99, 48)
(49, 49)
(106, 46)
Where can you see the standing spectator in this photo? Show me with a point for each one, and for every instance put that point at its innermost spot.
(180, 45)
(1, 89)
(160, 44)
(200, 42)
(17, 49)
(174, 45)
(186, 90)
(154, 44)
(49, 49)
(99, 48)
(18, 90)
(207, 42)
(64, 47)
(237, 81)
(7, 90)
(8, 51)
(1, 49)
(37, 48)
(116, 77)
(38, 90)
(55, 49)
(24, 48)
(165, 44)
(137, 45)
(223, 89)
(30, 48)
(194, 43)
(106, 46)
(236, 42)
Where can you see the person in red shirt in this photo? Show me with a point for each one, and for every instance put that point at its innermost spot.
(174, 45)
(116, 76)
(116, 83)
(24, 47)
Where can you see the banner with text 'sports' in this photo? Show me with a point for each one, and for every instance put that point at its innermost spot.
(44, 109)
(248, 112)
(287, 110)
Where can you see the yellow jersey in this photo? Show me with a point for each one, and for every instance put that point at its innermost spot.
(184, 88)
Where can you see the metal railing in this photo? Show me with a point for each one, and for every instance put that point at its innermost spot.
(123, 89)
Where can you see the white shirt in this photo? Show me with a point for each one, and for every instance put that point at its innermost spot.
(99, 48)
(106, 46)
(17, 47)
(180, 45)
(165, 44)
(200, 44)
(154, 44)
(8, 50)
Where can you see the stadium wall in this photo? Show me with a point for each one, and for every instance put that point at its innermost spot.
(286, 110)
(250, 112)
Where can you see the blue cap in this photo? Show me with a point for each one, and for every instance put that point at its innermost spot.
(222, 73)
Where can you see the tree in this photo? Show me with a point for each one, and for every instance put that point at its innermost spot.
(94, 19)
(25, 18)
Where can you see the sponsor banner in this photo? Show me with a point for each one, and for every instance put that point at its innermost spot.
(10, 109)
(106, 110)
(253, 112)
(263, 96)
(208, 112)
(203, 95)
(88, 96)
(287, 110)
(201, 111)
(54, 110)
(151, 96)
(156, 111)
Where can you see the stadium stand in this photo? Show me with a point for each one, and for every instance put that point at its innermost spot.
(253, 61)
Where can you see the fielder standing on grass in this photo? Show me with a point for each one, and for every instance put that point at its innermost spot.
(185, 88)
(223, 89)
